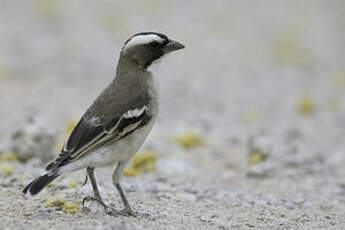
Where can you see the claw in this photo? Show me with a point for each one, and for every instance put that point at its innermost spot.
(128, 212)
(86, 178)
(91, 198)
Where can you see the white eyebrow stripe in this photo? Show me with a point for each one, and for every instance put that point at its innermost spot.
(141, 39)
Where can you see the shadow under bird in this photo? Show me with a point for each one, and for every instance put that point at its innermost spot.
(115, 126)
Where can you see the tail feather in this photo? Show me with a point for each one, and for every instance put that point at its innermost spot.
(39, 183)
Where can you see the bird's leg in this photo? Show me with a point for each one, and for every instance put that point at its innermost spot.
(97, 196)
(127, 210)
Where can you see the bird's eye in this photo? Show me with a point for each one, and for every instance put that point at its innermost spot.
(154, 44)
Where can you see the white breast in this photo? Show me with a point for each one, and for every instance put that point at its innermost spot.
(120, 151)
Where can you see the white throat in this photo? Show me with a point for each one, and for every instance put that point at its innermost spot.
(153, 69)
(154, 66)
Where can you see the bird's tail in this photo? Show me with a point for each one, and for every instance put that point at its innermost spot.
(39, 183)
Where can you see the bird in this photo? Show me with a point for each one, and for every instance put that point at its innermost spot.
(117, 123)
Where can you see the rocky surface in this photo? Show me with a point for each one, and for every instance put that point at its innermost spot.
(262, 85)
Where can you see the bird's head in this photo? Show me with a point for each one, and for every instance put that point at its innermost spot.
(147, 47)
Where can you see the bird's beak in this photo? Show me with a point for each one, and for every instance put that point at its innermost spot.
(172, 46)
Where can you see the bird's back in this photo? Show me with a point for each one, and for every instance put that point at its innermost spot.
(121, 95)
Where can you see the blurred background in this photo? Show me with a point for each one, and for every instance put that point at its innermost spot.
(251, 117)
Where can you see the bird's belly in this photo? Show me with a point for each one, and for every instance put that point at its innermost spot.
(120, 151)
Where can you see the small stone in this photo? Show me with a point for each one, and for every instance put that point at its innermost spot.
(204, 219)
(299, 200)
(262, 170)
(259, 149)
(250, 225)
(35, 139)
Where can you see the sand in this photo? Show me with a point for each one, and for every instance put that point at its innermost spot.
(261, 83)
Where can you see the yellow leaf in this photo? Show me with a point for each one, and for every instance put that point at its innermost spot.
(256, 157)
(140, 160)
(55, 203)
(72, 184)
(141, 163)
(306, 106)
(21, 179)
(6, 169)
(129, 172)
(52, 184)
(71, 208)
(190, 140)
(9, 156)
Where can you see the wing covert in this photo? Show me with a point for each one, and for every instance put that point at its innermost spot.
(91, 134)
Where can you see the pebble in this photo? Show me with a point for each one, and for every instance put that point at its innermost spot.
(261, 170)
(35, 139)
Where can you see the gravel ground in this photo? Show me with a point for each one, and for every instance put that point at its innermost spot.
(261, 83)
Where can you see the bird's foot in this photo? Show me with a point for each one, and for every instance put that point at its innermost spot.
(91, 198)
